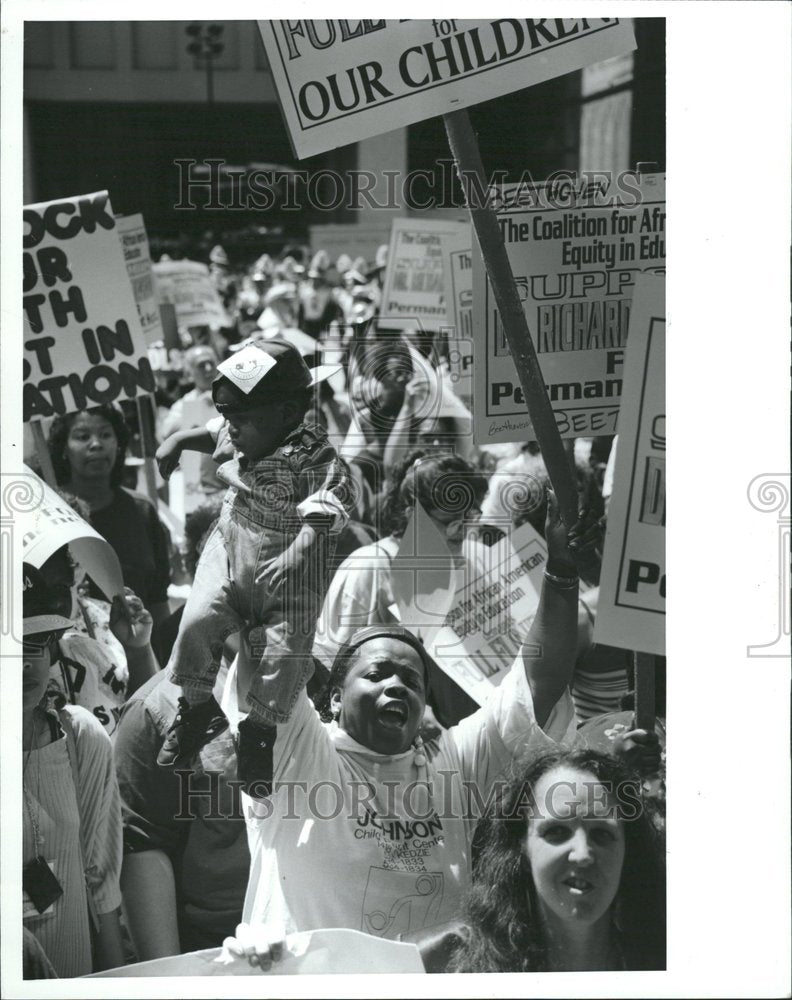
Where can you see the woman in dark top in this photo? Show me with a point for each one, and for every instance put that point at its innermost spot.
(88, 450)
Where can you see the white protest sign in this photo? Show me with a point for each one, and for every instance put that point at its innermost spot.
(322, 952)
(83, 342)
(132, 230)
(490, 615)
(414, 289)
(458, 276)
(576, 251)
(631, 610)
(47, 525)
(340, 81)
(473, 619)
(188, 287)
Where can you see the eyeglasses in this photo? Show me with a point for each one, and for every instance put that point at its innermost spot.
(37, 645)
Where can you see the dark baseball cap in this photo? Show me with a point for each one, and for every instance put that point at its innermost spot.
(264, 372)
(44, 608)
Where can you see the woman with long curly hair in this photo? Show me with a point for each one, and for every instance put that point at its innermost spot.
(570, 875)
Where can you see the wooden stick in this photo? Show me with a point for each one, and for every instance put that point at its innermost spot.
(465, 150)
(644, 670)
(44, 457)
(569, 448)
(145, 412)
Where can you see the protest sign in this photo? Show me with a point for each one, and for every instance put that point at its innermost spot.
(576, 251)
(490, 615)
(187, 285)
(321, 952)
(458, 277)
(631, 610)
(134, 241)
(83, 341)
(340, 81)
(47, 525)
(472, 620)
(414, 288)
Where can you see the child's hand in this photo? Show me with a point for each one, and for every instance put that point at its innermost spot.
(285, 571)
(168, 455)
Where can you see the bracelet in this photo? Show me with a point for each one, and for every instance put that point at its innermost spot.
(562, 582)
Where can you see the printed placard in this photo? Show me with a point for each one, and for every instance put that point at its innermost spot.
(631, 609)
(576, 250)
(340, 81)
(490, 615)
(83, 341)
(134, 241)
(187, 285)
(414, 292)
(50, 523)
(473, 620)
(458, 275)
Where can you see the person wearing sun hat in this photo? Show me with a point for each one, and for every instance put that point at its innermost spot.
(265, 567)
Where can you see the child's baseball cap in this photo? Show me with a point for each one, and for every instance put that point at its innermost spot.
(264, 372)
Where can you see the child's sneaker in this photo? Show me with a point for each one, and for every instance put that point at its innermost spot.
(254, 757)
(193, 727)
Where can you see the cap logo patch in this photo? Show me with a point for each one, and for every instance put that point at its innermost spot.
(247, 367)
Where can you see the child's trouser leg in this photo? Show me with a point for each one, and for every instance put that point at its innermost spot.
(210, 616)
(282, 642)
(285, 664)
(283, 647)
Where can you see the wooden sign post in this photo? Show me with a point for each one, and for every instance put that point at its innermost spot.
(465, 150)
(148, 443)
(644, 679)
(44, 457)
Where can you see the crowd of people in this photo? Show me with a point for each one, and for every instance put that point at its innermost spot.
(250, 742)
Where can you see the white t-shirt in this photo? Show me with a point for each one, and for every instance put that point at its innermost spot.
(361, 593)
(396, 861)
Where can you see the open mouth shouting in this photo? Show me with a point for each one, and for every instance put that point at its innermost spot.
(394, 713)
(578, 885)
